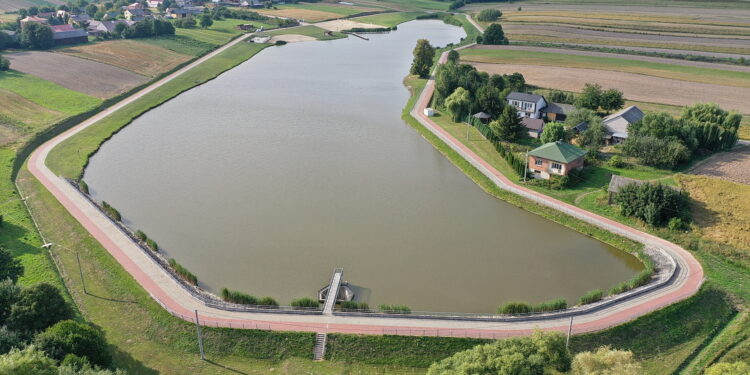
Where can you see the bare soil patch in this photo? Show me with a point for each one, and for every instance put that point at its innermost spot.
(141, 58)
(86, 76)
(292, 38)
(732, 166)
(636, 87)
(341, 25)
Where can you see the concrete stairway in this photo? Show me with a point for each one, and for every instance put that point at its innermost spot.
(319, 351)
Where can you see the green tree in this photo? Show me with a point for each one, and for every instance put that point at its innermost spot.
(29, 361)
(9, 293)
(9, 340)
(606, 361)
(590, 98)
(424, 55)
(36, 36)
(91, 9)
(494, 34)
(535, 355)
(38, 307)
(458, 104)
(489, 99)
(655, 151)
(69, 337)
(453, 57)
(5, 40)
(655, 204)
(489, 15)
(508, 127)
(736, 368)
(10, 267)
(206, 21)
(611, 100)
(515, 81)
(553, 132)
(593, 137)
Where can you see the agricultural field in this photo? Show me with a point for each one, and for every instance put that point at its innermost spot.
(644, 81)
(82, 75)
(141, 58)
(731, 166)
(315, 12)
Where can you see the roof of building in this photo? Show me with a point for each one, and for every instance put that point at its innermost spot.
(559, 108)
(75, 33)
(186, 10)
(482, 115)
(137, 11)
(83, 17)
(61, 28)
(535, 124)
(34, 19)
(558, 151)
(524, 97)
(582, 127)
(45, 14)
(617, 182)
(618, 122)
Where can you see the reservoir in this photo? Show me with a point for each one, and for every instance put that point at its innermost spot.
(297, 162)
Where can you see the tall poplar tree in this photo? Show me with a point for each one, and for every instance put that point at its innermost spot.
(424, 55)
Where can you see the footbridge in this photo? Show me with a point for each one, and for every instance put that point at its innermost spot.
(333, 291)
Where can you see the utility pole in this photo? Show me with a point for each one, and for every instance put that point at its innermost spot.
(200, 336)
(80, 271)
(570, 330)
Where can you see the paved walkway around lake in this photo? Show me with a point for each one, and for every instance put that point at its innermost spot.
(181, 303)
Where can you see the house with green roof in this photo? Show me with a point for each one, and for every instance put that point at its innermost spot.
(555, 158)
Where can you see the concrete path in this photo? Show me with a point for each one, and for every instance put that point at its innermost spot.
(180, 303)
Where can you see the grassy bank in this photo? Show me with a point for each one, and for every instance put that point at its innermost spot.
(69, 158)
(309, 30)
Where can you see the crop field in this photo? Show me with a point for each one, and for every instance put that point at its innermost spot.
(86, 76)
(145, 59)
(340, 9)
(315, 12)
(389, 19)
(415, 4)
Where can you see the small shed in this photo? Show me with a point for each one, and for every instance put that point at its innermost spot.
(429, 112)
(484, 117)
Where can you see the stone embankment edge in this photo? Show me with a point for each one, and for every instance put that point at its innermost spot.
(686, 282)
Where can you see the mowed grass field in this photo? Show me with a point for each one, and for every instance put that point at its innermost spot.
(47, 94)
(145, 59)
(389, 19)
(309, 30)
(315, 12)
(221, 32)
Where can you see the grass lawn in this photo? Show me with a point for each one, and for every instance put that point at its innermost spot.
(47, 94)
(309, 30)
(179, 43)
(389, 19)
(145, 59)
(69, 157)
(221, 32)
(678, 72)
(343, 10)
(419, 4)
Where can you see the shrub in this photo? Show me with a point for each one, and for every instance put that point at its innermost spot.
(29, 361)
(489, 15)
(280, 42)
(268, 301)
(591, 297)
(616, 162)
(352, 305)
(38, 307)
(140, 235)
(606, 361)
(676, 224)
(83, 186)
(552, 305)
(655, 204)
(305, 303)
(152, 244)
(75, 362)
(111, 211)
(515, 308)
(9, 293)
(394, 309)
(10, 267)
(238, 297)
(183, 272)
(9, 340)
(69, 337)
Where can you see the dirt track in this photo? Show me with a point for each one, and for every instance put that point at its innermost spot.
(86, 76)
(732, 166)
(635, 86)
(340, 25)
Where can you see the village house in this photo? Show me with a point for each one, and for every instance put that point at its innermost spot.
(45, 15)
(617, 123)
(528, 105)
(99, 27)
(555, 158)
(154, 3)
(534, 126)
(133, 6)
(79, 19)
(558, 111)
(111, 15)
(184, 12)
(33, 19)
(67, 34)
(136, 14)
